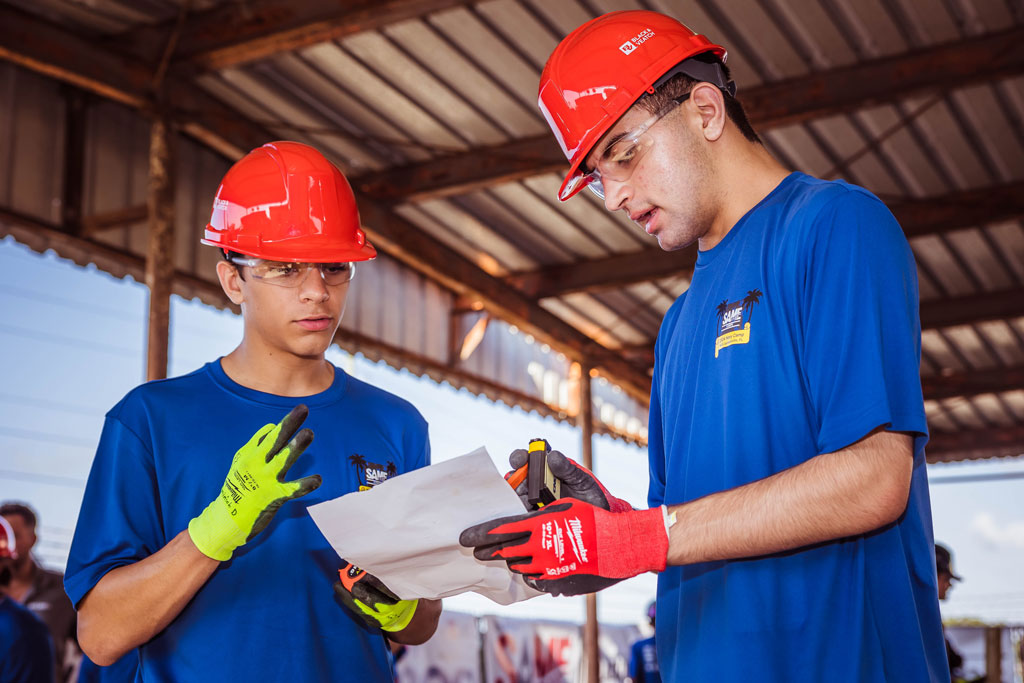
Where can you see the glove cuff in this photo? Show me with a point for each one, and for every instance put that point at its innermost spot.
(215, 533)
(638, 541)
(403, 618)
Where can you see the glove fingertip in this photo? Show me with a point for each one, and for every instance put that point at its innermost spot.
(467, 539)
(306, 485)
(295, 417)
(303, 438)
(559, 464)
(518, 458)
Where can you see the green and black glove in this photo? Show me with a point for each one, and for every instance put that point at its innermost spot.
(254, 488)
(371, 601)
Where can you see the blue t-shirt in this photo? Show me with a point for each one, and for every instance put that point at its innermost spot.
(26, 650)
(121, 671)
(269, 613)
(798, 336)
(643, 662)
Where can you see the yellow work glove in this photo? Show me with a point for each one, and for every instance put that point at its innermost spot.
(254, 488)
(371, 601)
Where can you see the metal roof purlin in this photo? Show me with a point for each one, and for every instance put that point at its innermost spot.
(918, 217)
(228, 132)
(946, 67)
(227, 36)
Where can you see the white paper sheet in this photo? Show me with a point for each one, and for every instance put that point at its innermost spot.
(405, 531)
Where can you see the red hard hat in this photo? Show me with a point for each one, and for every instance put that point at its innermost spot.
(286, 202)
(7, 545)
(602, 68)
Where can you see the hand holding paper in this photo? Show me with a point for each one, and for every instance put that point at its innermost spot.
(405, 531)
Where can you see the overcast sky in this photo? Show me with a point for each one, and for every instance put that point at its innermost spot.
(72, 344)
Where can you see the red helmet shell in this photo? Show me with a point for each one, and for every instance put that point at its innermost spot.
(8, 548)
(285, 201)
(602, 68)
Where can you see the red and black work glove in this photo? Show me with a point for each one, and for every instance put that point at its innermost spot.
(577, 481)
(370, 600)
(571, 547)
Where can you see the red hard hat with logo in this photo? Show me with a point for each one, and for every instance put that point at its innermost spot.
(285, 201)
(601, 69)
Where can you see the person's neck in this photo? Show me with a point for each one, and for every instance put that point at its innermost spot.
(21, 580)
(277, 373)
(747, 175)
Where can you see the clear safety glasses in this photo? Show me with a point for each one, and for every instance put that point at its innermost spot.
(286, 274)
(621, 157)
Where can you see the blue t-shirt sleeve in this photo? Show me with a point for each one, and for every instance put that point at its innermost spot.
(119, 522)
(861, 330)
(26, 649)
(416, 444)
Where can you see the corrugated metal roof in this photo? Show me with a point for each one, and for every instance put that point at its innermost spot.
(461, 79)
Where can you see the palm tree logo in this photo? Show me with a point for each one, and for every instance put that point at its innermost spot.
(360, 464)
(720, 311)
(753, 297)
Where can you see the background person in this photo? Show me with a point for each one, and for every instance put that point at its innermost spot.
(643, 656)
(946, 576)
(26, 649)
(190, 545)
(41, 590)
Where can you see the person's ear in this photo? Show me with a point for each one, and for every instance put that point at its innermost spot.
(710, 105)
(230, 281)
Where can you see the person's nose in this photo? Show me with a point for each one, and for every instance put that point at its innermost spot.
(616, 193)
(313, 287)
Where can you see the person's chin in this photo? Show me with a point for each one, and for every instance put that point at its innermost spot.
(668, 243)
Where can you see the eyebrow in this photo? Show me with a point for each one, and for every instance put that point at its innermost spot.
(607, 147)
(611, 143)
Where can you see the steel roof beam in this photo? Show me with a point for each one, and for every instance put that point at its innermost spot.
(942, 67)
(972, 309)
(228, 132)
(232, 33)
(611, 271)
(973, 383)
(917, 217)
(975, 444)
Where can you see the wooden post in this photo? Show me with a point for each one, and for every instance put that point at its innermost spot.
(993, 653)
(74, 159)
(591, 647)
(160, 256)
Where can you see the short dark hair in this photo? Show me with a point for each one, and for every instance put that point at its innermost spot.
(681, 84)
(20, 509)
(230, 257)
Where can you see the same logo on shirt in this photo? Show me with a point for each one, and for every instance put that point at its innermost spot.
(733, 320)
(371, 473)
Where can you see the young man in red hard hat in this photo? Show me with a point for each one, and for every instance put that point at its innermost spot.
(789, 503)
(238, 588)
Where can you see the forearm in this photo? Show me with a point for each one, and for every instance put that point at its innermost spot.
(835, 495)
(133, 603)
(422, 626)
